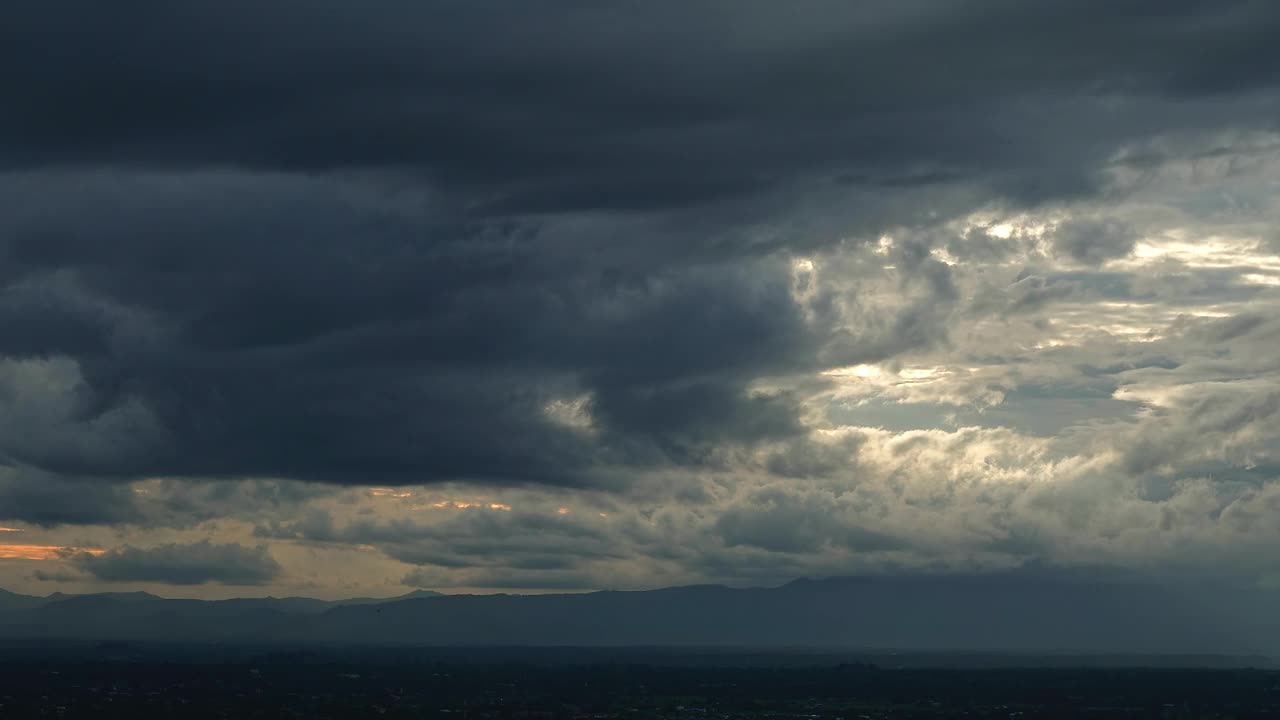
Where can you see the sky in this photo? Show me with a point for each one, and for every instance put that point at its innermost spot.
(339, 298)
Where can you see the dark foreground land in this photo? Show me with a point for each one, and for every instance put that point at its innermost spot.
(123, 682)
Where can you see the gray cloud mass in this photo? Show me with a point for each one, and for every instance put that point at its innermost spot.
(174, 564)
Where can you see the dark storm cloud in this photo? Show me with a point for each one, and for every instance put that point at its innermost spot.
(174, 564)
(575, 105)
(46, 500)
(312, 329)
(375, 242)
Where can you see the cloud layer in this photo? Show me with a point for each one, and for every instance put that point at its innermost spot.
(605, 295)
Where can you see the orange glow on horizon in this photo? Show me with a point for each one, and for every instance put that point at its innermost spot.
(42, 552)
(9, 529)
(390, 492)
(463, 505)
(452, 504)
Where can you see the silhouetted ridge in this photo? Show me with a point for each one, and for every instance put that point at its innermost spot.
(996, 612)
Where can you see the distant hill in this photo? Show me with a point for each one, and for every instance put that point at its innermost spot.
(143, 616)
(1012, 612)
(14, 601)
